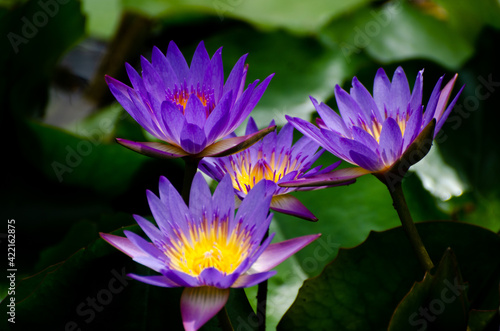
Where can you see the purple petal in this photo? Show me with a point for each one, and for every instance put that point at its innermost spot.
(223, 199)
(365, 100)
(179, 212)
(413, 128)
(153, 233)
(309, 130)
(251, 126)
(365, 138)
(234, 145)
(160, 213)
(255, 206)
(123, 244)
(430, 108)
(381, 91)
(236, 115)
(213, 277)
(365, 162)
(193, 139)
(173, 121)
(161, 281)
(290, 205)
(247, 280)
(267, 145)
(177, 61)
(143, 244)
(257, 251)
(416, 96)
(445, 115)
(349, 109)
(444, 97)
(213, 167)
(163, 67)
(391, 141)
(361, 154)
(400, 94)
(306, 147)
(217, 122)
(195, 112)
(252, 102)
(152, 81)
(276, 253)
(334, 143)
(285, 136)
(243, 80)
(233, 82)
(181, 278)
(199, 63)
(200, 304)
(214, 74)
(263, 226)
(135, 79)
(201, 198)
(150, 113)
(341, 176)
(153, 149)
(123, 93)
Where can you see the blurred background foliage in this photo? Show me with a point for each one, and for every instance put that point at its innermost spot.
(67, 179)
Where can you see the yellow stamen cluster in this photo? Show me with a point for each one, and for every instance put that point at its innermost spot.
(209, 245)
(245, 173)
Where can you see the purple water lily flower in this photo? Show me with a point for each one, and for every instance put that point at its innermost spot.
(274, 158)
(188, 107)
(377, 133)
(205, 247)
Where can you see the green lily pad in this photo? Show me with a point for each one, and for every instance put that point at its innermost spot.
(438, 302)
(361, 287)
(399, 31)
(296, 16)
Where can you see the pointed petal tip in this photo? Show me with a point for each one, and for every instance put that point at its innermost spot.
(290, 205)
(200, 304)
(276, 253)
(234, 145)
(345, 176)
(153, 149)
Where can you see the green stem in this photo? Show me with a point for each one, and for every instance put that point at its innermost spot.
(262, 298)
(399, 203)
(190, 169)
(224, 321)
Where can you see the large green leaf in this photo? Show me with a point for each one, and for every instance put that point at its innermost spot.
(399, 31)
(295, 15)
(438, 302)
(469, 17)
(361, 287)
(347, 214)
